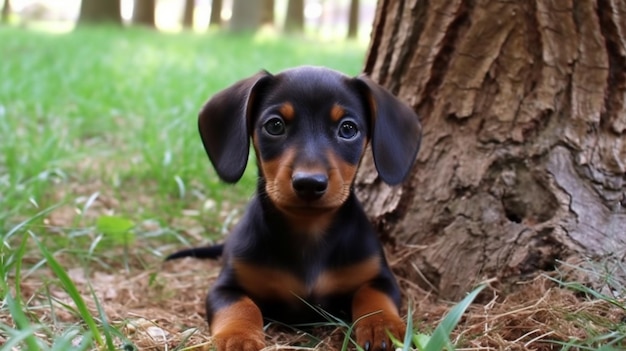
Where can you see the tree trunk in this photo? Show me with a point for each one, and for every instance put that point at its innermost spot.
(144, 13)
(190, 6)
(267, 13)
(246, 17)
(523, 157)
(97, 11)
(353, 19)
(6, 11)
(294, 21)
(216, 13)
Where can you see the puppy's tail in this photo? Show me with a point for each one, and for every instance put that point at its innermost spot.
(210, 252)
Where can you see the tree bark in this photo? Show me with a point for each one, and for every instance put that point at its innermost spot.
(216, 13)
(190, 6)
(6, 11)
(98, 11)
(246, 17)
(267, 13)
(353, 19)
(294, 21)
(144, 13)
(523, 157)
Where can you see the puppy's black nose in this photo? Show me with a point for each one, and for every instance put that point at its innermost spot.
(309, 186)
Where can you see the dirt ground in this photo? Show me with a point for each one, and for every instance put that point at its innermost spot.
(163, 307)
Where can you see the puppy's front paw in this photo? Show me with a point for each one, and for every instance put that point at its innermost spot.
(239, 341)
(371, 331)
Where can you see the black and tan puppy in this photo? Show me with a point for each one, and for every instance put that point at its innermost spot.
(304, 236)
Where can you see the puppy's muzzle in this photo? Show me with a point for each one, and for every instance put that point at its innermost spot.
(309, 186)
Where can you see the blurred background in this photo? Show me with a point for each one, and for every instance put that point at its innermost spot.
(99, 98)
(324, 18)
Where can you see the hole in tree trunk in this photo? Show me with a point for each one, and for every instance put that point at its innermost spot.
(511, 215)
(526, 197)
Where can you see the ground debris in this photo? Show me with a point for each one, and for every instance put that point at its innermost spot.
(162, 307)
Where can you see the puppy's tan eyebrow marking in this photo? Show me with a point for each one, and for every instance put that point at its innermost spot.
(287, 111)
(336, 113)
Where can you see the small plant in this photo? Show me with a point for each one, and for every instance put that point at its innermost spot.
(440, 337)
(437, 341)
(118, 231)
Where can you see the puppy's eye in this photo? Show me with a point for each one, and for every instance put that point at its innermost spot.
(275, 126)
(348, 130)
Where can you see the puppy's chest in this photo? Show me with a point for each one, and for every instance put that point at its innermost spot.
(311, 281)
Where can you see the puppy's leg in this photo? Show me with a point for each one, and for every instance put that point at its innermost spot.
(237, 326)
(375, 313)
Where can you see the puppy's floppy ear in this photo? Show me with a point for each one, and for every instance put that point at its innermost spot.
(396, 132)
(223, 125)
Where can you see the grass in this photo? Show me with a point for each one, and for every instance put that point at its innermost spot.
(98, 132)
(607, 285)
(110, 113)
(118, 107)
(440, 338)
(102, 172)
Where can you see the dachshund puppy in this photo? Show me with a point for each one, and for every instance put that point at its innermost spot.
(304, 241)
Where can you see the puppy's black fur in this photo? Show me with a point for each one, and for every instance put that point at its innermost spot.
(304, 239)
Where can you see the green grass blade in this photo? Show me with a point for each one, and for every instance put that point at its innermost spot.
(409, 329)
(15, 306)
(17, 336)
(72, 291)
(103, 319)
(18, 267)
(589, 291)
(66, 341)
(22, 322)
(336, 321)
(347, 339)
(405, 344)
(441, 336)
(25, 222)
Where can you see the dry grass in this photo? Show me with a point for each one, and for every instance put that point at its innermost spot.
(162, 307)
(536, 317)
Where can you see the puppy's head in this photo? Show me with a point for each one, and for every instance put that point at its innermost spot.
(309, 128)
